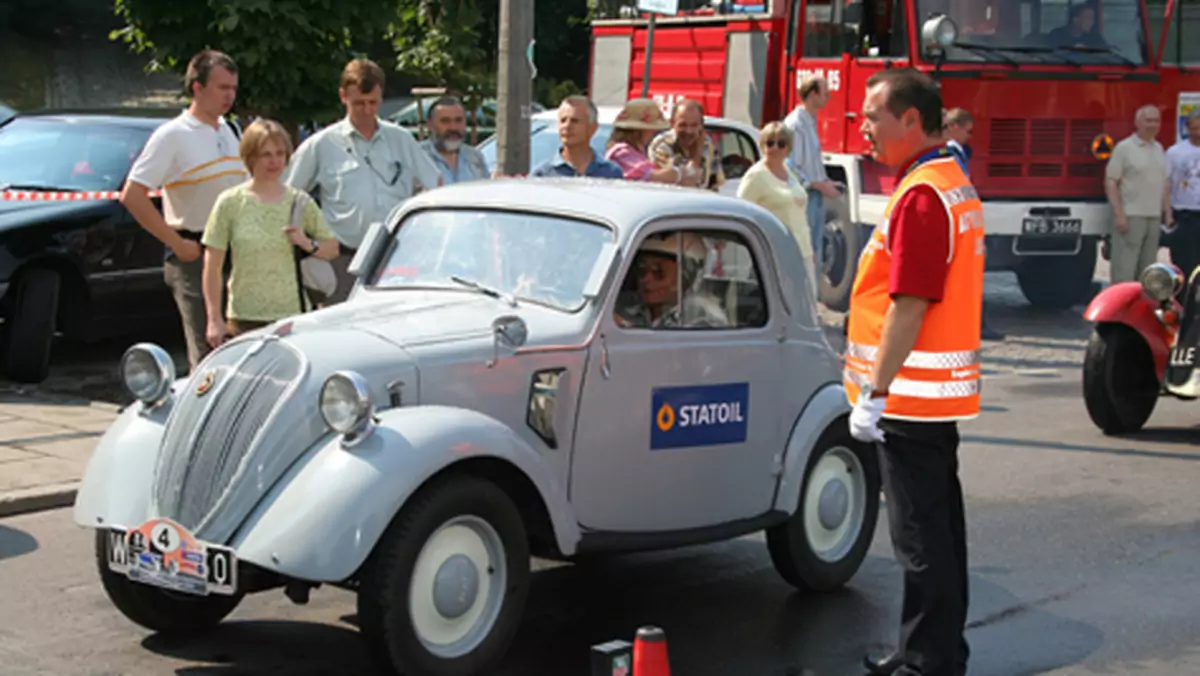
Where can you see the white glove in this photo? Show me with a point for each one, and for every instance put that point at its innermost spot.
(864, 419)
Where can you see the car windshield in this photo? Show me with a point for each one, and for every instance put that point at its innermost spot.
(541, 258)
(6, 113)
(1075, 32)
(544, 143)
(53, 154)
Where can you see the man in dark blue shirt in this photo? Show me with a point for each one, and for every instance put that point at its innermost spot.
(577, 123)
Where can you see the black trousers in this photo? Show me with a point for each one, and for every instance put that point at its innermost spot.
(928, 528)
(1184, 243)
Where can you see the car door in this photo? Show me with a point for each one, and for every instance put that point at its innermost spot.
(679, 427)
(737, 152)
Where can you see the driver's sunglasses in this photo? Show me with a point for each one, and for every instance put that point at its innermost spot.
(776, 143)
(657, 271)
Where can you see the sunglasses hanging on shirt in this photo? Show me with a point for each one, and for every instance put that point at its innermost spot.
(396, 170)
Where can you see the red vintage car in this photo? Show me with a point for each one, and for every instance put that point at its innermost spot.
(1143, 347)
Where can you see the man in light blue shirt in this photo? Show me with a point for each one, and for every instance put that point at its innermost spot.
(806, 158)
(458, 161)
(577, 123)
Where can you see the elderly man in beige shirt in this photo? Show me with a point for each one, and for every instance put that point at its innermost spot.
(1137, 187)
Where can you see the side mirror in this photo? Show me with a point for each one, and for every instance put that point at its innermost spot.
(375, 240)
(510, 330)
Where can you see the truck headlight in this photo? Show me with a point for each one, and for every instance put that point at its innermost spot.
(939, 32)
(148, 372)
(346, 405)
(1161, 281)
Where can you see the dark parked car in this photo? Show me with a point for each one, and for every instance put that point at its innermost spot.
(73, 261)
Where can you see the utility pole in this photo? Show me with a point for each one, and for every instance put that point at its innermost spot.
(515, 86)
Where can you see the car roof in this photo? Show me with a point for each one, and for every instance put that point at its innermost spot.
(138, 118)
(624, 204)
(608, 115)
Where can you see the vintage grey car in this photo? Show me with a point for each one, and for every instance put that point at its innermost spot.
(550, 368)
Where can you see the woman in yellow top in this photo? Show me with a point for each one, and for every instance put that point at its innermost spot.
(776, 188)
(255, 218)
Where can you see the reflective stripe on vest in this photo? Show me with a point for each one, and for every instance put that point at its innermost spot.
(940, 378)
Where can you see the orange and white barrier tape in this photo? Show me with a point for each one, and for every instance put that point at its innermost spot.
(79, 196)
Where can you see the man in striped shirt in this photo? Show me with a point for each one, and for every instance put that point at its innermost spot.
(192, 158)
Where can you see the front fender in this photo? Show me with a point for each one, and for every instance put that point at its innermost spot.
(116, 483)
(823, 409)
(323, 518)
(1125, 303)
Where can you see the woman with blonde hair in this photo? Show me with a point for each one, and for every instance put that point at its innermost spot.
(264, 222)
(636, 126)
(771, 184)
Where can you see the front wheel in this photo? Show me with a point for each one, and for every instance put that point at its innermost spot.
(1120, 385)
(822, 546)
(445, 588)
(157, 609)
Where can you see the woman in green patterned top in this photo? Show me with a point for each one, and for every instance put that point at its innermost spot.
(254, 219)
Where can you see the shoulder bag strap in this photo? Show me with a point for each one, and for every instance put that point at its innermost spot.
(297, 254)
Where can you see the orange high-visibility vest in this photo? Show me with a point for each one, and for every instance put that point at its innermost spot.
(940, 379)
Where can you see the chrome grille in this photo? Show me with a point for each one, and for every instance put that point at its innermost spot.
(209, 437)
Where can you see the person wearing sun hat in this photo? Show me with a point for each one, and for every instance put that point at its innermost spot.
(637, 124)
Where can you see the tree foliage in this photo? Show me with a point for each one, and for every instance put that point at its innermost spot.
(290, 53)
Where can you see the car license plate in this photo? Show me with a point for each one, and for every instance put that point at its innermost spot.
(164, 554)
(1052, 226)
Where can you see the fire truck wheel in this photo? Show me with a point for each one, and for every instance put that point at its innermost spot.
(839, 257)
(1059, 282)
(1120, 387)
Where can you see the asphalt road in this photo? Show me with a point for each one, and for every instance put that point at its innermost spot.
(1083, 553)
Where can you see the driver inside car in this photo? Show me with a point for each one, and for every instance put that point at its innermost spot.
(659, 281)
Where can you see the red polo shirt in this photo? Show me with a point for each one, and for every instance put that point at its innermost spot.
(919, 239)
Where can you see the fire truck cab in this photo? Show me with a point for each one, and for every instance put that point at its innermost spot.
(1052, 85)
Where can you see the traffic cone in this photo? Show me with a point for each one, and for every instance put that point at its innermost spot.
(650, 653)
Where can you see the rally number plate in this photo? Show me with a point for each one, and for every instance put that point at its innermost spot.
(164, 554)
(1052, 226)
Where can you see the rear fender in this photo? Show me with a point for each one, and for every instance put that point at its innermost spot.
(827, 407)
(1125, 303)
(322, 519)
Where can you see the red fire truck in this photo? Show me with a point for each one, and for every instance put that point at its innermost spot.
(1047, 111)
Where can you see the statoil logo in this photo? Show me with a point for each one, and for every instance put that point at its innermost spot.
(699, 415)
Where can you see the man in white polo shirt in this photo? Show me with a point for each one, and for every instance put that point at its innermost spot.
(363, 166)
(193, 158)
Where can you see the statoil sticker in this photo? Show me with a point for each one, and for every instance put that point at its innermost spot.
(699, 415)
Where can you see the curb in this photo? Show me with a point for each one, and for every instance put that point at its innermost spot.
(41, 498)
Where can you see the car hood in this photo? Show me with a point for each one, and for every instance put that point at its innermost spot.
(411, 318)
(21, 213)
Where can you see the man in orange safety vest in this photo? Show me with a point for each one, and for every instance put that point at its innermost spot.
(912, 362)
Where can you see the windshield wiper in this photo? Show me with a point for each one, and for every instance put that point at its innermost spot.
(32, 186)
(990, 50)
(1110, 51)
(485, 290)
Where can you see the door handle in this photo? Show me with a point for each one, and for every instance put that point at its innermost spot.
(605, 370)
(851, 116)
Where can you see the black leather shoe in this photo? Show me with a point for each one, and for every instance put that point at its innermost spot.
(885, 665)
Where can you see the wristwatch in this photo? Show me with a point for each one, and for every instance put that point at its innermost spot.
(315, 245)
(870, 392)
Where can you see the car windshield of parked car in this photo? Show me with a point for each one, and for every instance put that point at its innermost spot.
(51, 154)
(544, 259)
(544, 143)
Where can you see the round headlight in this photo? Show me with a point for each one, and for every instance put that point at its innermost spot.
(939, 32)
(1161, 281)
(148, 372)
(346, 403)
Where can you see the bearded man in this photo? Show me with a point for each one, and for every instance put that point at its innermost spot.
(458, 161)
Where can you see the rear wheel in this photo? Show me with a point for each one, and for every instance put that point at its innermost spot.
(839, 257)
(1120, 386)
(157, 609)
(1059, 282)
(822, 546)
